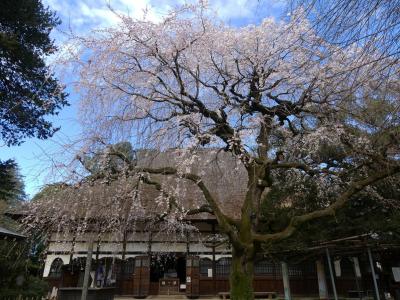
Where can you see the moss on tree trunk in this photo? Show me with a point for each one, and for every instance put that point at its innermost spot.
(241, 276)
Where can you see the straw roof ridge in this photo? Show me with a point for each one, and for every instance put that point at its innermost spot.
(224, 176)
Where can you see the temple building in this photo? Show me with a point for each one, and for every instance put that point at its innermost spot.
(159, 256)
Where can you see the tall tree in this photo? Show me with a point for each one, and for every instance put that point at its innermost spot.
(11, 190)
(18, 258)
(276, 97)
(11, 184)
(28, 90)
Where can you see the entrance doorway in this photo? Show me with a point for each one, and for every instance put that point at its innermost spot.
(167, 273)
(181, 268)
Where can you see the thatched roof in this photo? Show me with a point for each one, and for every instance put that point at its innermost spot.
(224, 176)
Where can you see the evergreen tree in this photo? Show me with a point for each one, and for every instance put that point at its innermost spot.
(28, 90)
(11, 184)
(19, 259)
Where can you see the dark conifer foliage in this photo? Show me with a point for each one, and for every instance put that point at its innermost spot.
(28, 90)
(11, 183)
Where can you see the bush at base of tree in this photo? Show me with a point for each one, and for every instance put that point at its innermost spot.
(22, 267)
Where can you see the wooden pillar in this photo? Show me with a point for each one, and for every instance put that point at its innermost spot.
(192, 276)
(96, 260)
(286, 282)
(88, 266)
(357, 275)
(141, 279)
(149, 243)
(187, 243)
(122, 262)
(322, 286)
(71, 254)
(124, 237)
(214, 277)
(331, 273)
(97, 250)
(371, 262)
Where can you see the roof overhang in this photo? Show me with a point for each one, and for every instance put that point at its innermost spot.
(10, 234)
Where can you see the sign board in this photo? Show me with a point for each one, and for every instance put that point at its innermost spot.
(188, 279)
(338, 269)
(209, 272)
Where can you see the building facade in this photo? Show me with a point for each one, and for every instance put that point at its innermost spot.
(141, 259)
(150, 263)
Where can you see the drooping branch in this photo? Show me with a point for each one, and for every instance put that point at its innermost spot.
(255, 92)
(226, 223)
(172, 201)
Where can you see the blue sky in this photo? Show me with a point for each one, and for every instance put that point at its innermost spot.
(35, 157)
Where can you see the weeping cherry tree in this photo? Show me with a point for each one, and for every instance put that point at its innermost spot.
(276, 98)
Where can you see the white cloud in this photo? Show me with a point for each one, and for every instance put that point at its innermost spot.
(80, 17)
(85, 15)
(234, 9)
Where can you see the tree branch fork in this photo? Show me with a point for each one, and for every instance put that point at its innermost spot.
(233, 227)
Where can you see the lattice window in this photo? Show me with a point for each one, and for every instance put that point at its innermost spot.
(128, 267)
(264, 267)
(295, 270)
(56, 268)
(278, 269)
(309, 268)
(223, 266)
(205, 264)
(117, 267)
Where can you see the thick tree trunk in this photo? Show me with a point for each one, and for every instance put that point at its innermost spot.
(241, 277)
